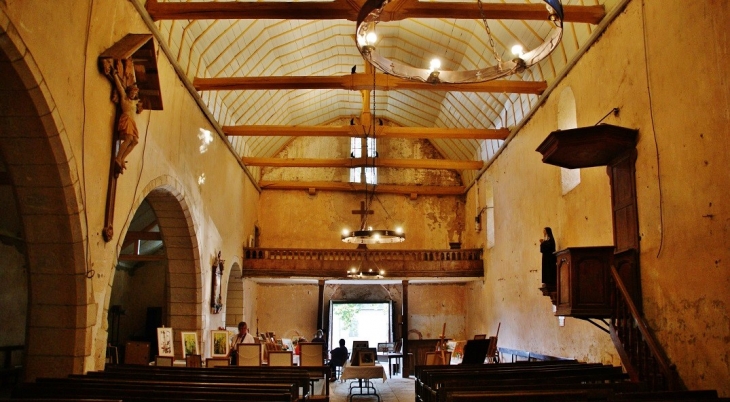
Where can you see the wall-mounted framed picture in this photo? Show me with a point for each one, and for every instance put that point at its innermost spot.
(189, 343)
(367, 357)
(165, 346)
(219, 343)
(216, 298)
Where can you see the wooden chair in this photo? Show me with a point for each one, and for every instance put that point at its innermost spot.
(193, 361)
(310, 354)
(163, 361)
(281, 358)
(217, 362)
(249, 354)
(435, 358)
(492, 351)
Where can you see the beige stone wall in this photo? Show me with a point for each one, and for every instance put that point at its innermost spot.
(430, 306)
(63, 54)
(681, 179)
(288, 310)
(297, 219)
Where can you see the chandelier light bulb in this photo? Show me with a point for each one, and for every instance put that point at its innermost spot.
(398, 230)
(517, 50)
(371, 38)
(435, 64)
(345, 232)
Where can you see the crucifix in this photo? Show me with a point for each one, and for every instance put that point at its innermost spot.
(131, 67)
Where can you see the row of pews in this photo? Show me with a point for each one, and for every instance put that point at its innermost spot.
(155, 384)
(545, 381)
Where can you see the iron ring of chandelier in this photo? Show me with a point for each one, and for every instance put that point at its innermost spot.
(371, 236)
(370, 13)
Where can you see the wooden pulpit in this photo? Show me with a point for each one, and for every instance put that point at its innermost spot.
(583, 282)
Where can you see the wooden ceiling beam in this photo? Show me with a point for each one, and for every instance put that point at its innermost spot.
(357, 131)
(357, 187)
(348, 10)
(362, 81)
(362, 162)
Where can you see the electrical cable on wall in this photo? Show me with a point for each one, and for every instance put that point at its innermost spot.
(653, 130)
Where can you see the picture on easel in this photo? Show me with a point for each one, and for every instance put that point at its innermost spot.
(164, 342)
(366, 357)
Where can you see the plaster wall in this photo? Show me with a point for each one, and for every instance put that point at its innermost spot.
(65, 43)
(681, 111)
(339, 147)
(297, 219)
(430, 306)
(288, 310)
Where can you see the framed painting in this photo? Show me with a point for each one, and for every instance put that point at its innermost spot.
(189, 343)
(164, 342)
(219, 343)
(367, 357)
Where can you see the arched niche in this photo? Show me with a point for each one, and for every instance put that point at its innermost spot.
(179, 260)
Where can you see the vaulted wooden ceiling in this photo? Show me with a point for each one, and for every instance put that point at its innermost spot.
(272, 71)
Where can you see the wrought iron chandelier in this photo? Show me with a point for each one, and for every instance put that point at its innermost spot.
(366, 234)
(366, 38)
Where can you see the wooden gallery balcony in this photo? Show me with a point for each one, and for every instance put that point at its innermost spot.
(319, 263)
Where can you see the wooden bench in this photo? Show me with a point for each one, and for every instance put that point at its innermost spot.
(532, 382)
(298, 375)
(436, 377)
(155, 391)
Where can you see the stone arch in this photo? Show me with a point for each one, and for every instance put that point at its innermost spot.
(43, 174)
(184, 284)
(234, 296)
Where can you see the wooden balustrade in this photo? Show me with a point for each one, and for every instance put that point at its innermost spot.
(281, 262)
(640, 353)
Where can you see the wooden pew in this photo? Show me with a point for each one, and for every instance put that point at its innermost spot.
(136, 391)
(539, 382)
(429, 377)
(435, 377)
(298, 375)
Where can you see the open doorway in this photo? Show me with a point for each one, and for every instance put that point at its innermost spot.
(361, 321)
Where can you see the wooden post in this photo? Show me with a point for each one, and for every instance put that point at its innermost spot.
(404, 350)
(320, 305)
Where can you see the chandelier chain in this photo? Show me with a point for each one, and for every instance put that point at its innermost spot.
(489, 32)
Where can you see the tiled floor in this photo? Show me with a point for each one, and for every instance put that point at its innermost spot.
(392, 390)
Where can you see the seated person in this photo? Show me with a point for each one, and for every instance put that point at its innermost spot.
(338, 358)
(242, 337)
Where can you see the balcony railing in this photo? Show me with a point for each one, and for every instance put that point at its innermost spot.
(334, 263)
